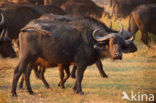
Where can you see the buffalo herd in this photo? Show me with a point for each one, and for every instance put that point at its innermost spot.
(62, 33)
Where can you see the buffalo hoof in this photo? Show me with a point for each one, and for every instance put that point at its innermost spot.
(47, 86)
(21, 88)
(105, 76)
(32, 93)
(74, 88)
(79, 92)
(61, 86)
(14, 94)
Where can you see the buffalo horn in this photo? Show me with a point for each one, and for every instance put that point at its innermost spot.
(2, 34)
(2, 19)
(122, 29)
(101, 38)
(129, 40)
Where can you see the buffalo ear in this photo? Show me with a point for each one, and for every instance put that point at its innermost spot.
(129, 48)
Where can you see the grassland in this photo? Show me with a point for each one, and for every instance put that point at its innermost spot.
(136, 72)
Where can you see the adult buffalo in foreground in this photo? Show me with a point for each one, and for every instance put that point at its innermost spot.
(143, 18)
(42, 64)
(80, 43)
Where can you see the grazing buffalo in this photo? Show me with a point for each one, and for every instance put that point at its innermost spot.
(143, 18)
(6, 49)
(71, 42)
(123, 8)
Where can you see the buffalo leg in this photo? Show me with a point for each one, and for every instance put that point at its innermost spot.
(98, 64)
(37, 73)
(42, 71)
(144, 38)
(100, 68)
(27, 78)
(73, 72)
(21, 82)
(80, 72)
(61, 71)
(67, 74)
(22, 79)
(17, 73)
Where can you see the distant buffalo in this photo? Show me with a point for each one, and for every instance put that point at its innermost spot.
(83, 8)
(123, 8)
(75, 7)
(143, 18)
(35, 2)
(16, 16)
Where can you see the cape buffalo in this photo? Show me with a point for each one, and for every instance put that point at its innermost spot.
(75, 7)
(39, 67)
(143, 18)
(83, 8)
(72, 42)
(123, 8)
(17, 16)
(51, 17)
(57, 3)
(36, 2)
(6, 49)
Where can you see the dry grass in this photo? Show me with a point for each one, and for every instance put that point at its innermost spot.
(134, 74)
